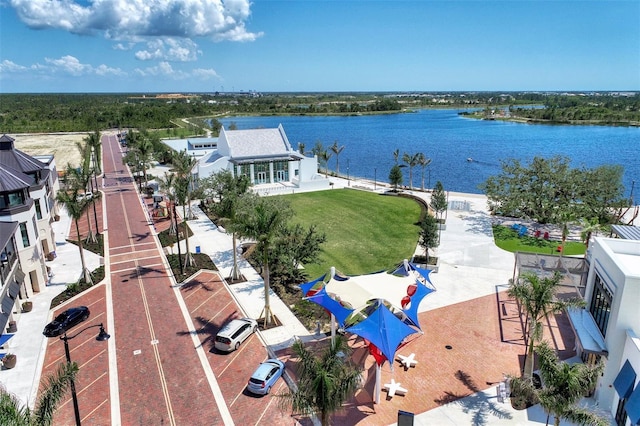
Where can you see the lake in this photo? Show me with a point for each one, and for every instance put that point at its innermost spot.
(450, 140)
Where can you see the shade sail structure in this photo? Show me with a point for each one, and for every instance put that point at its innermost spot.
(5, 338)
(358, 290)
(306, 287)
(323, 299)
(383, 329)
(625, 380)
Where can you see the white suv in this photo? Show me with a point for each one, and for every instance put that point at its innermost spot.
(234, 333)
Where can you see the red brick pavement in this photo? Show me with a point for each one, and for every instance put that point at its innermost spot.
(211, 306)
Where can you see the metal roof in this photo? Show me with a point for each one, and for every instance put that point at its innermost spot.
(627, 232)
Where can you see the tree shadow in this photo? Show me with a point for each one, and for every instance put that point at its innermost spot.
(481, 406)
(206, 330)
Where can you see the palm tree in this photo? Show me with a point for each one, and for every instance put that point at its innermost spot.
(12, 413)
(423, 161)
(229, 189)
(183, 165)
(337, 150)
(81, 177)
(167, 185)
(261, 220)
(536, 296)
(588, 228)
(324, 157)
(301, 147)
(93, 140)
(563, 386)
(412, 161)
(142, 147)
(76, 206)
(396, 155)
(325, 382)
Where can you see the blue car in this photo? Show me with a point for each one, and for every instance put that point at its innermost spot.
(265, 376)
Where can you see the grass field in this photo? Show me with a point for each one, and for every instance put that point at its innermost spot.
(508, 239)
(366, 232)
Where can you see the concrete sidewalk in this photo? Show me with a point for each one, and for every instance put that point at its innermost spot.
(29, 343)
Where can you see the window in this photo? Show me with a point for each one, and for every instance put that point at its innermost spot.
(245, 170)
(25, 234)
(261, 171)
(12, 199)
(621, 412)
(38, 209)
(281, 171)
(601, 305)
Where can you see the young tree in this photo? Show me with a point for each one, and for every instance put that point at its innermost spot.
(537, 298)
(325, 382)
(563, 386)
(94, 141)
(81, 179)
(395, 176)
(428, 234)
(438, 201)
(337, 150)
(301, 147)
(57, 385)
(296, 246)
(261, 219)
(228, 190)
(396, 156)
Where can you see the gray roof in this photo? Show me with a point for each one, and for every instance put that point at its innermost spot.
(258, 143)
(12, 180)
(627, 232)
(16, 159)
(7, 229)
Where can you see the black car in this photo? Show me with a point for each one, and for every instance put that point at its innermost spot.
(66, 320)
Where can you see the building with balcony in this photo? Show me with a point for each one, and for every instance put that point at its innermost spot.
(27, 208)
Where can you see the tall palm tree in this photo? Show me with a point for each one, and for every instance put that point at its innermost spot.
(424, 162)
(324, 157)
(396, 155)
(536, 296)
(336, 149)
(563, 385)
(82, 178)
(12, 413)
(94, 141)
(325, 382)
(262, 220)
(141, 146)
(589, 227)
(76, 206)
(229, 190)
(412, 161)
(183, 165)
(167, 185)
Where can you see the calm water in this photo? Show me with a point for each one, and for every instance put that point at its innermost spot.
(449, 140)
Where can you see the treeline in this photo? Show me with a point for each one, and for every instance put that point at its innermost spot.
(34, 113)
(599, 109)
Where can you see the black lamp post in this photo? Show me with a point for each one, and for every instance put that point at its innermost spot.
(348, 180)
(375, 178)
(101, 337)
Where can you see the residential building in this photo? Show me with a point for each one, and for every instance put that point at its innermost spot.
(27, 206)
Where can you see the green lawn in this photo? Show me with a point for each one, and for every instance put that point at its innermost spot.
(366, 232)
(507, 239)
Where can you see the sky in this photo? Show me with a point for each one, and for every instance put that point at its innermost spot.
(185, 46)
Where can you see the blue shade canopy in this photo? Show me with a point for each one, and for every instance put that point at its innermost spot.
(308, 286)
(423, 272)
(633, 406)
(412, 310)
(625, 380)
(323, 299)
(5, 338)
(383, 329)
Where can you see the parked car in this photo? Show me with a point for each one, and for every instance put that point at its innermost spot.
(265, 376)
(66, 320)
(234, 333)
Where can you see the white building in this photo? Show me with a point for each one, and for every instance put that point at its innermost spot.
(613, 301)
(264, 155)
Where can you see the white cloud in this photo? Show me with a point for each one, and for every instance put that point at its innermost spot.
(169, 49)
(205, 74)
(128, 19)
(66, 65)
(163, 69)
(8, 66)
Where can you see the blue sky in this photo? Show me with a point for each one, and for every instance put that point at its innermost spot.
(312, 45)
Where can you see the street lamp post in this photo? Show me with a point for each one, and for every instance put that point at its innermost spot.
(348, 181)
(375, 178)
(102, 336)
